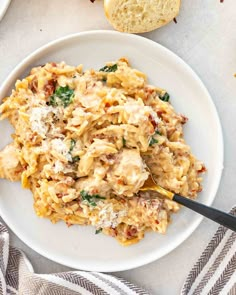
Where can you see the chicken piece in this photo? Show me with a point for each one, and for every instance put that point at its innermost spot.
(10, 167)
(128, 174)
(96, 149)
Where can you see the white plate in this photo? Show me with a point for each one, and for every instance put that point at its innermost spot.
(78, 246)
(3, 7)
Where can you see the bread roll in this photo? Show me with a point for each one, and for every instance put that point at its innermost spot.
(139, 16)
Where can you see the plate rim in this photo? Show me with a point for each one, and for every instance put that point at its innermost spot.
(148, 258)
(4, 10)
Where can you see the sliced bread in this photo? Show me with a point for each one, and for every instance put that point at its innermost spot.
(139, 16)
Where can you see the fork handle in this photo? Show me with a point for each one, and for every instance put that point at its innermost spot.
(225, 219)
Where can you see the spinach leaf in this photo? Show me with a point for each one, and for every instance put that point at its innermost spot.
(62, 96)
(109, 69)
(152, 141)
(98, 231)
(124, 141)
(165, 97)
(75, 159)
(91, 199)
(72, 144)
(157, 132)
(52, 101)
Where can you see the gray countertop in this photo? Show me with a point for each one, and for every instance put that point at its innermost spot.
(205, 37)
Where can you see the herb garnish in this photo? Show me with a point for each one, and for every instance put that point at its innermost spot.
(72, 144)
(62, 96)
(52, 101)
(98, 231)
(91, 199)
(124, 141)
(152, 141)
(157, 132)
(165, 97)
(75, 159)
(109, 69)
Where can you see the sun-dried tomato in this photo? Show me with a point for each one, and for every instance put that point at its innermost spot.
(203, 169)
(153, 122)
(34, 85)
(50, 87)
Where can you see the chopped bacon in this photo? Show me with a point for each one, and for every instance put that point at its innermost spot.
(110, 157)
(59, 195)
(50, 87)
(153, 122)
(184, 119)
(159, 113)
(131, 232)
(202, 170)
(120, 181)
(157, 222)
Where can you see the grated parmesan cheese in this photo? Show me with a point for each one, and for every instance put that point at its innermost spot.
(60, 147)
(108, 218)
(58, 166)
(38, 119)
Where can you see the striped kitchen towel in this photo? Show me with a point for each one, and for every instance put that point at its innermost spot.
(215, 271)
(17, 277)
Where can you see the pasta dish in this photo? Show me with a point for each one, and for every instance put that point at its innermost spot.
(86, 141)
